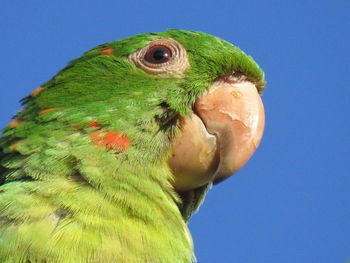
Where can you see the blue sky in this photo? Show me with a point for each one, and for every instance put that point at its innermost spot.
(290, 203)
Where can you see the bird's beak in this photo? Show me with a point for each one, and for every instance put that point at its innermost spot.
(220, 137)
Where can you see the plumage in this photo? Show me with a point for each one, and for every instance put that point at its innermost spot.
(84, 165)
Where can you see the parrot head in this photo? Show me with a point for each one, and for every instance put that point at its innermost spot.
(182, 97)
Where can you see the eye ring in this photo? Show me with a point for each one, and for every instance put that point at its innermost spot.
(174, 63)
(158, 54)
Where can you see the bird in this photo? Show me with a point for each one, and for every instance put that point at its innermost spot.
(108, 160)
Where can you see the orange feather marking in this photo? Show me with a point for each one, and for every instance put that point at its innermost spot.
(48, 110)
(13, 146)
(107, 51)
(15, 123)
(36, 91)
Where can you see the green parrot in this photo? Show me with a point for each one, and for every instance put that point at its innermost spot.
(107, 161)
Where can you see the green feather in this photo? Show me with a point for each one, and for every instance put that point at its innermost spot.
(64, 199)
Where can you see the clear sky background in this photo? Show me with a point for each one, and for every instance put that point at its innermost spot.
(291, 203)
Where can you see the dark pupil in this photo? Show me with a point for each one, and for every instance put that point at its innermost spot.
(160, 55)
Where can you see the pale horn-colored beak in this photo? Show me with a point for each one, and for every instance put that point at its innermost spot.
(220, 137)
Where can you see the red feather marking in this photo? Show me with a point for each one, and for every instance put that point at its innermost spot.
(111, 140)
(94, 124)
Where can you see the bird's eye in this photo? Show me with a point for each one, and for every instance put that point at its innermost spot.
(162, 56)
(158, 54)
